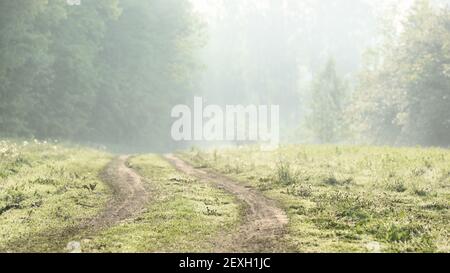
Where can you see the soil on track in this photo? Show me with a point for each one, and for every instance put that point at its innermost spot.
(263, 224)
(129, 194)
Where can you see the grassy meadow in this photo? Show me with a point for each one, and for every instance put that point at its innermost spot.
(338, 198)
(46, 191)
(348, 199)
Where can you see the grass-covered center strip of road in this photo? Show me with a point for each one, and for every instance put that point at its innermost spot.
(47, 191)
(183, 214)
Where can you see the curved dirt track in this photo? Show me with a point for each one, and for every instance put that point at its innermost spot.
(264, 222)
(129, 194)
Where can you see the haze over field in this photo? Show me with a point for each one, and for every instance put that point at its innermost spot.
(115, 114)
(109, 72)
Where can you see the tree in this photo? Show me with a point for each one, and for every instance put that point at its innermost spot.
(23, 58)
(148, 66)
(406, 98)
(105, 71)
(328, 103)
(62, 105)
(423, 62)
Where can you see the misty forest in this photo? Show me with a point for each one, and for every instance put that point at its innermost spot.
(363, 89)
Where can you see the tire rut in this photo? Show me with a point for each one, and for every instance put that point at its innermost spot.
(264, 222)
(129, 194)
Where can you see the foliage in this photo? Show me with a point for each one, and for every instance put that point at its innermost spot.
(101, 72)
(328, 102)
(403, 97)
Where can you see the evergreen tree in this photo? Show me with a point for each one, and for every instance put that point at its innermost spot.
(328, 98)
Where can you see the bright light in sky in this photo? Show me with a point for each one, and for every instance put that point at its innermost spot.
(210, 8)
(205, 7)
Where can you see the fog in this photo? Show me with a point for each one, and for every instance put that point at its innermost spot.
(268, 52)
(109, 73)
(271, 52)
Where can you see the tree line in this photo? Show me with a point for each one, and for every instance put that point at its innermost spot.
(109, 71)
(402, 93)
(105, 71)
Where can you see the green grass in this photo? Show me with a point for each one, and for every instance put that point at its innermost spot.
(184, 215)
(349, 199)
(46, 191)
(338, 199)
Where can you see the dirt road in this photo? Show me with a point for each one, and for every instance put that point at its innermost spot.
(129, 194)
(263, 223)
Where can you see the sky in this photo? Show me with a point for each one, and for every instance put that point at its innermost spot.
(210, 7)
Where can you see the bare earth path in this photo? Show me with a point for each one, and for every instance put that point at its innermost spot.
(129, 194)
(264, 222)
